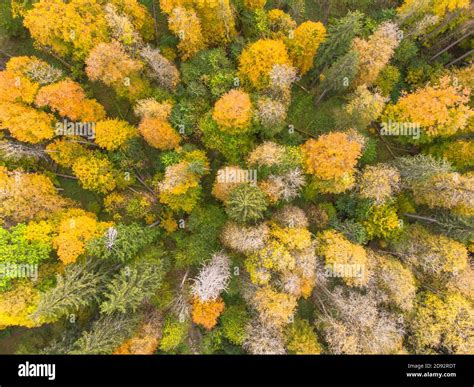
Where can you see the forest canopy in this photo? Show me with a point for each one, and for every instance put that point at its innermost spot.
(236, 177)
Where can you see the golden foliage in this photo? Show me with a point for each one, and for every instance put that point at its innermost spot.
(186, 25)
(379, 182)
(432, 255)
(303, 43)
(159, 134)
(17, 305)
(395, 283)
(301, 338)
(68, 99)
(458, 153)
(338, 252)
(34, 69)
(257, 61)
(255, 4)
(180, 188)
(25, 196)
(440, 110)
(267, 154)
(16, 88)
(109, 63)
(274, 308)
(65, 152)
(280, 23)
(113, 133)
(206, 313)
(449, 190)
(331, 156)
(438, 7)
(71, 28)
(26, 123)
(151, 108)
(233, 112)
(217, 21)
(375, 52)
(95, 173)
(75, 229)
(443, 323)
(138, 15)
(168, 5)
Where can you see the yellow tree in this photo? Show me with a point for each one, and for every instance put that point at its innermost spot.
(25, 196)
(26, 123)
(138, 15)
(64, 152)
(75, 228)
(258, 59)
(34, 69)
(16, 88)
(301, 338)
(17, 305)
(113, 133)
(255, 4)
(375, 52)
(442, 323)
(280, 24)
(343, 258)
(393, 282)
(287, 254)
(180, 188)
(274, 308)
(378, 182)
(159, 133)
(433, 256)
(303, 43)
(364, 107)
(167, 6)
(233, 112)
(151, 108)
(95, 172)
(110, 64)
(458, 153)
(217, 20)
(414, 8)
(439, 110)
(71, 28)
(68, 99)
(331, 159)
(186, 25)
(206, 313)
(449, 190)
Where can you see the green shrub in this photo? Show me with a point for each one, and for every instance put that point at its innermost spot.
(234, 321)
(174, 332)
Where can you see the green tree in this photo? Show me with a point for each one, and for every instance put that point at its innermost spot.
(339, 76)
(246, 203)
(131, 286)
(74, 289)
(122, 242)
(340, 36)
(106, 334)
